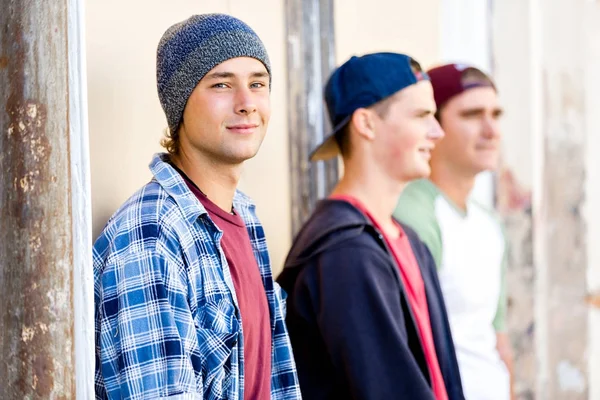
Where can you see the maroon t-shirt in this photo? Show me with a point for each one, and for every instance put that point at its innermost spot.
(251, 297)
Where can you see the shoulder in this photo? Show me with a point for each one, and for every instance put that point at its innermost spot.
(358, 256)
(148, 219)
(421, 193)
(416, 210)
(416, 206)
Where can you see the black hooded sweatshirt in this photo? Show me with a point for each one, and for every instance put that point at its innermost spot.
(350, 323)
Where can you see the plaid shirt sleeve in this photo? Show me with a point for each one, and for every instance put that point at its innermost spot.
(145, 335)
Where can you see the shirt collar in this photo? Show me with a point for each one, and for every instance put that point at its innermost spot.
(174, 184)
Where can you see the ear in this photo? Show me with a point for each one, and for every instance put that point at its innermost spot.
(364, 123)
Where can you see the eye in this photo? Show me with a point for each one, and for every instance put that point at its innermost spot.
(257, 85)
(219, 86)
(472, 114)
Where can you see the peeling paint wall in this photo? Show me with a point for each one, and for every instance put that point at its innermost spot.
(515, 180)
(545, 76)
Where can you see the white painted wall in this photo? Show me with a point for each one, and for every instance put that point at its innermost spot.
(527, 92)
(465, 32)
(81, 203)
(592, 212)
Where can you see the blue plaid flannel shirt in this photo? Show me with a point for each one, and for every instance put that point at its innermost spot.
(166, 315)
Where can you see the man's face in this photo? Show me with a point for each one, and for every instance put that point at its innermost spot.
(227, 114)
(407, 133)
(472, 142)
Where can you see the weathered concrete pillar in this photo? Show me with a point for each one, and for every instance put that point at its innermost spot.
(44, 251)
(547, 68)
(311, 58)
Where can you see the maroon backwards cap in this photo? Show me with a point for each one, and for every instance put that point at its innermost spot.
(452, 79)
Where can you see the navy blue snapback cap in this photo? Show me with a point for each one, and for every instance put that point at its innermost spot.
(359, 83)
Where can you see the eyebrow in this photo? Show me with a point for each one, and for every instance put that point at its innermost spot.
(478, 110)
(471, 111)
(424, 111)
(229, 75)
(259, 74)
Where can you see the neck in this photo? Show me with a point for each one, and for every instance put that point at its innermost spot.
(216, 180)
(457, 187)
(375, 191)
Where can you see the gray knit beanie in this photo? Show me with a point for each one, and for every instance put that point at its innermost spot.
(191, 48)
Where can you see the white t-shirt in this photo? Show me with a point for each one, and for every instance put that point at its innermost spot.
(469, 250)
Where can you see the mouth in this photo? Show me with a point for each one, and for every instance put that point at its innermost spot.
(242, 128)
(486, 148)
(487, 145)
(425, 152)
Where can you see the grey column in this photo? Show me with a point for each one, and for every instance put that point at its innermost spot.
(311, 58)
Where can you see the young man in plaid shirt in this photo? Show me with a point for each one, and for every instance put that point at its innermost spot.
(185, 303)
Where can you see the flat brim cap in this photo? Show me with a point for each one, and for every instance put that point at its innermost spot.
(359, 83)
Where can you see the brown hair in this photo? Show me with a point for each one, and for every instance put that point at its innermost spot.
(171, 141)
(473, 76)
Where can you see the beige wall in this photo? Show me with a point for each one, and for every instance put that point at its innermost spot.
(410, 27)
(126, 121)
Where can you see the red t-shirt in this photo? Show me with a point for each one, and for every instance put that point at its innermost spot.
(251, 296)
(417, 298)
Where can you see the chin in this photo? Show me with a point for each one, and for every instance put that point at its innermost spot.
(424, 175)
(241, 153)
(485, 166)
(424, 172)
(417, 173)
(237, 159)
(486, 162)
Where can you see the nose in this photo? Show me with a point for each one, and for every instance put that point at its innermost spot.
(245, 103)
(435, 131)
(490, 128)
